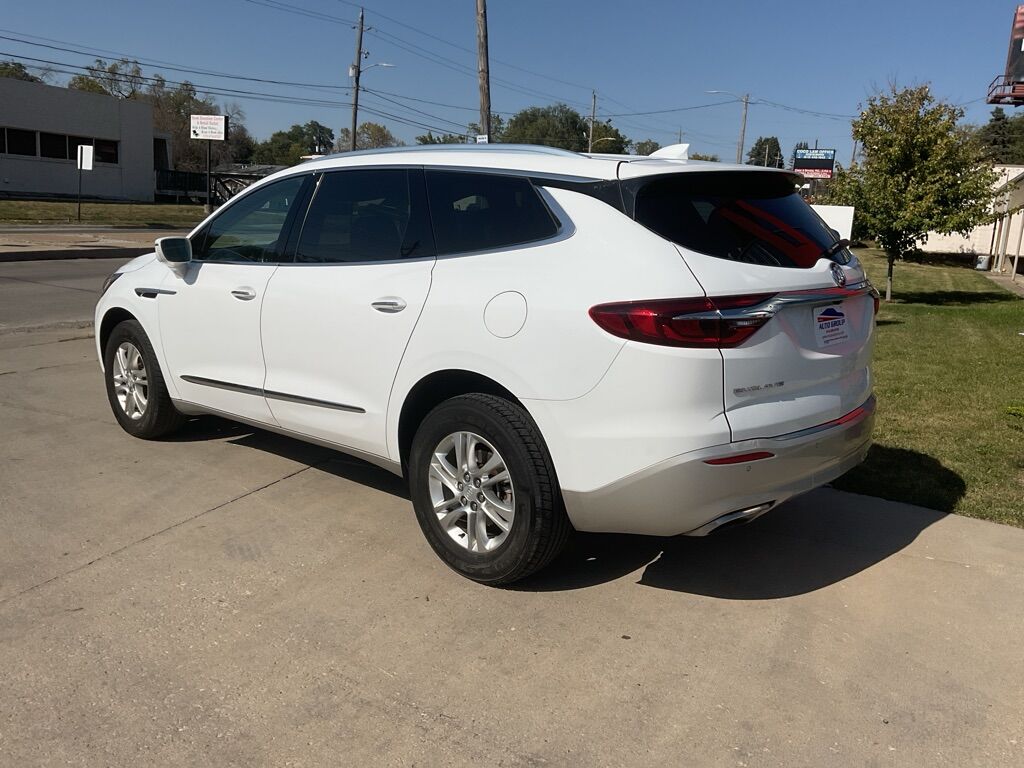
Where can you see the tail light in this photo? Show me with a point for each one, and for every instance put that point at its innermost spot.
(697, 323)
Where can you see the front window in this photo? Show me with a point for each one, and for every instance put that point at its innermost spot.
(250, 230)
(749, 217)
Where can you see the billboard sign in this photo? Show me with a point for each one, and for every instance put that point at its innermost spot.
(1015, 58)
(815, 163)
(209, 127)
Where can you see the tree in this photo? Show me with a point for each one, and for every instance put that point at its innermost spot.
(15, 70)
(368, 136)
(646, 147)
(1003, 138)
(441, 138)
(497, 129)
(700, 156)
(920, 172)
(557, 125)
(608, 139)
(798, 145)
(122, 78)
(766, 152)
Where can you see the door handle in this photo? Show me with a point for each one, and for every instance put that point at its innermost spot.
(244, 294)
(389, 305)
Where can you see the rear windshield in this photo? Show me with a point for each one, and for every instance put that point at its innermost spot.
(750, 217)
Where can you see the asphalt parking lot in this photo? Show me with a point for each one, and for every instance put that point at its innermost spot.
(230, 597)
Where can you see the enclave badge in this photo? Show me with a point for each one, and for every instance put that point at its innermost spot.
(838, 275)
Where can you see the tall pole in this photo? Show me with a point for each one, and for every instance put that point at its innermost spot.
(743, 130)
(357, 68)
(209, 201)
(593, 115)
(483, 68)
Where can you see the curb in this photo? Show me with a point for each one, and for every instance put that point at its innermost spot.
(77, 253)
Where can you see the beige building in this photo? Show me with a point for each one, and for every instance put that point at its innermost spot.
(1002, 239)
(41, 127)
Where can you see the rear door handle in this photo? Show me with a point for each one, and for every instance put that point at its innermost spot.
(389, 305)
(244, 294)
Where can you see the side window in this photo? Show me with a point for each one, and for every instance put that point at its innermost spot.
(366, 215)
(479, 211)
(250, 229)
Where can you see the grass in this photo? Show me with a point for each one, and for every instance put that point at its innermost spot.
(110, 214)
(949, 376)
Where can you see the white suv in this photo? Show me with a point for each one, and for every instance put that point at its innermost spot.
(537, 340)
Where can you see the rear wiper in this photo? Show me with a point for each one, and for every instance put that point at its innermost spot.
(835, 248)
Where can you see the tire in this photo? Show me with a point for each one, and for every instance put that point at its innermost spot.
(135, 385)
(503, 432)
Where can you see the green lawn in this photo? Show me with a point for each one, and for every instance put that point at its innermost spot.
(111, 214)
(949, 376)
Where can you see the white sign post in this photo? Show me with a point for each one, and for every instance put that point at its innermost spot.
(209, 128)
(85, 153)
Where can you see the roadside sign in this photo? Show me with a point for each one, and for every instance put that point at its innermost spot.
(209, 127)
(482, 138)
(815, 163)
(84, 157)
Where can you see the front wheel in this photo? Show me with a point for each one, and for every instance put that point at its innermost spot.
(135, 385)
(485, 491)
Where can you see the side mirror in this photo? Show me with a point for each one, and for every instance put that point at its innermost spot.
(174, 251)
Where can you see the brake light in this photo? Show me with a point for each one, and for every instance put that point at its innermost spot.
(683, 322)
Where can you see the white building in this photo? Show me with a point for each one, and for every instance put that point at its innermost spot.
(41, 127)
(1002, 238)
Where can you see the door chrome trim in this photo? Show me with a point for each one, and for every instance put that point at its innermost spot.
(284, 396)
(271, 395)
(389, 305)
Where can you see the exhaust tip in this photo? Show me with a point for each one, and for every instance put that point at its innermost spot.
(732, 519)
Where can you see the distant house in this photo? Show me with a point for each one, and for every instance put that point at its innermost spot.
(1001, 238)
(41, 127)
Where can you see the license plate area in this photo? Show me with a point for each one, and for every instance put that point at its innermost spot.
(831, 324)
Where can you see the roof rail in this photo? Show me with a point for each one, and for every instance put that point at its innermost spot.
(537, 149)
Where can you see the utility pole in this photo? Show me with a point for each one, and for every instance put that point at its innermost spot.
(483, 68)
(593, 114)
(743, 130)
(680, 141)
(356, 70)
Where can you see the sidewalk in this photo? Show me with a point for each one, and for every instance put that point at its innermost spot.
(38, 243)
(1004, 282)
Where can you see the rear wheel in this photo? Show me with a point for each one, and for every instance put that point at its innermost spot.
(135, 386)
(485, 490)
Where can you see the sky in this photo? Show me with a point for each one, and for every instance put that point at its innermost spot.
(806, 65)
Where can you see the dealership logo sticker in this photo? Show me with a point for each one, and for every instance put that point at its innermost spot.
(830, 326)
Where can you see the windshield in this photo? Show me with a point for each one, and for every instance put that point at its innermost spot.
(750, 217)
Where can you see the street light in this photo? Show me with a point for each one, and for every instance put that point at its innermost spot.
(745, 98)
(355, 70)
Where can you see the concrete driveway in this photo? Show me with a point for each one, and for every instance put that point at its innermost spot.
(234, 598)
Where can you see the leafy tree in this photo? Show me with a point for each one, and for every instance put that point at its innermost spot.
(122, 78)
(1003, 138)
(766, 152)
(608, 139)
(497, 129)
(798, 145)
(15, 70)
(288, 147)
(646, 147)
(701, 156)
(441, 138)
(557, 125)
(368, 136)
(920, 172)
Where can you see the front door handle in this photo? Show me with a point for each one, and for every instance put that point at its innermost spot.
(244, 294)
(389, 305)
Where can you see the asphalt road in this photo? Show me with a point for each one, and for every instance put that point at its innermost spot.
(232, 598)
(36, 294)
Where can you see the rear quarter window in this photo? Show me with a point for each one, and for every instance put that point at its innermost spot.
(749, 217)
(481, 211)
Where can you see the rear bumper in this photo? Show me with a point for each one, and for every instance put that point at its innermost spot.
(684, 494)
